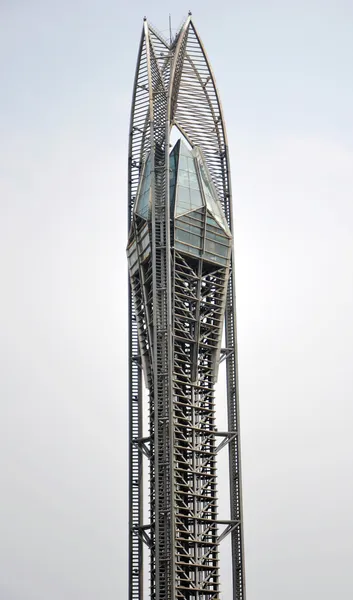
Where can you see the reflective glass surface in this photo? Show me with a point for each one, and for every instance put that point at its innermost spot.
(188, 195)
(144, 194)
(213, 258)
(217, 243)
(212, 201)
(188, 171)
(173, 165)
(186, 248)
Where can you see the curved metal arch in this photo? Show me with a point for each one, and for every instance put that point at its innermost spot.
(139, 112)
(201, 100)
(135, 378)
(139, 142)
(142, 109)
(149, 133)
(212, 141)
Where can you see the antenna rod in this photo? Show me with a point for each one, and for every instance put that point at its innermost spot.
(170, 28)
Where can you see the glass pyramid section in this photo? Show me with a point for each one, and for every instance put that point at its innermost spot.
(191, 186)
(211, 197)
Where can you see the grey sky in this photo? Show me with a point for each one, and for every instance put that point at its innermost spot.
(284, 71)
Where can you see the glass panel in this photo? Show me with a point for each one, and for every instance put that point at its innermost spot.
(212, 200)
(187, 178)
(216, 233)
(182, 235)
(143, 204)
(183, 202)
(222, 239)
(174, 155)
(173, 164)
(194, 182)
(188, 227)
(172, 172)
(196, 199)
(215, 207)
(143, 201)
(148, 168)
(215, 248)
(205, 181)
(210, 246)
(190, 219)
(191, 165)
(183, 178)
(172, 198)
(211, 221)
(184, 150)
(188, 249)
(195, 240)
(183, 163)
(195, 215)
(213, 258)
(183, 194)
(220, 249)
(188, 238)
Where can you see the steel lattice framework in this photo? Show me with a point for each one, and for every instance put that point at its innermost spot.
(182, 301)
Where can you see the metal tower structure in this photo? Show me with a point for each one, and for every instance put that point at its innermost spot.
(182, 309)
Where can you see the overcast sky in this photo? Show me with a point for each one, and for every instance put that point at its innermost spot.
(284, 71)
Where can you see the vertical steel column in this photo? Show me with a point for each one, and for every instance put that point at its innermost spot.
(235, 480)
(135, 375)
(161, 270)
(135, 475)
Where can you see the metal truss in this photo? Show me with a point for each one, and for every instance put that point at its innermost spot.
(179, 307)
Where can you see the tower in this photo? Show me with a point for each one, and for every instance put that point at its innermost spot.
(182, 323)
